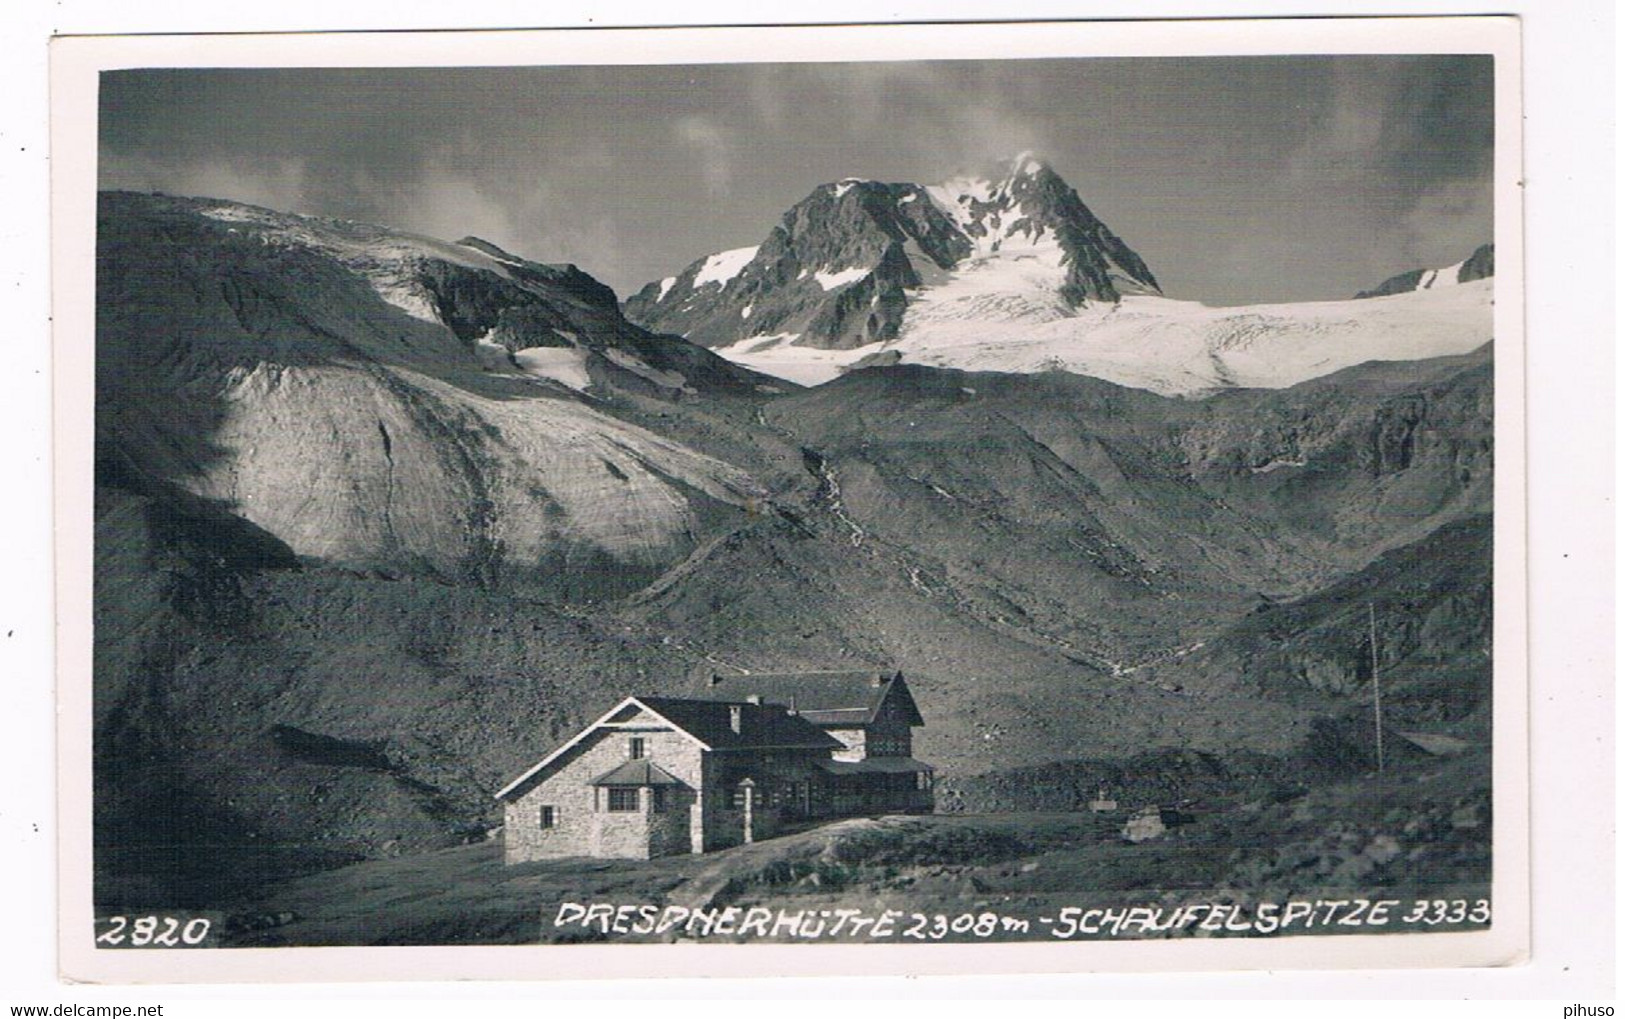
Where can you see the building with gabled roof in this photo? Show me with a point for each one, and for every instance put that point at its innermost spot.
(871, 713)
(655, 776)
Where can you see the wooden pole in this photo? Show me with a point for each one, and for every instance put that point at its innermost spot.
(1376, 681)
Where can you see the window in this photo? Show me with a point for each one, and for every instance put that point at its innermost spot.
(736, 800)
(549, 817)
(636, 749)
(658, 795)
(888, 746)
(623, 799)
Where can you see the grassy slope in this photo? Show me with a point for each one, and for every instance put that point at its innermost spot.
(1419, 829)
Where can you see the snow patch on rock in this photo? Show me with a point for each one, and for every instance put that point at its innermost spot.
(831, 280)
(637, 366)
(564, 365)
(492, 356)
(723, 266)
(1449, 276)
(1275, 465)
(779, 356)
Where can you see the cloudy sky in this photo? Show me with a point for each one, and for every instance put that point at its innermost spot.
(1237, 179)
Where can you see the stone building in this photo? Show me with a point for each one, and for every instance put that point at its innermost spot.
(748, 756)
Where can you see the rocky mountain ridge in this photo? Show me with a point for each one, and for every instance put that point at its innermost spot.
(1479, 265)
(843, 265)
(1011, 272)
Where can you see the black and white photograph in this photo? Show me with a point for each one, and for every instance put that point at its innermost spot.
(907, 488)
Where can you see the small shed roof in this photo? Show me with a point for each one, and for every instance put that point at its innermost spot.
(640, 772)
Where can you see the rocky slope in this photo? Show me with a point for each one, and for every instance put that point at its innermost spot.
(255, 715)
(845, 263)
(1479, 265)
(388, 401)
(1019, 541)
(1431, 602)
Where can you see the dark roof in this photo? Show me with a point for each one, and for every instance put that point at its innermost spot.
(875, 766)
(823, 698)
(761, 726)
(640, 772)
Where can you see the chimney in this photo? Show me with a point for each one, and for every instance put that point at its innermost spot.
(793, 705)
(714, 679)
(879, 680)
(754, 698)
(734, 712)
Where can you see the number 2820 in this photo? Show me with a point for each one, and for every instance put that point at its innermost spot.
(152, 931)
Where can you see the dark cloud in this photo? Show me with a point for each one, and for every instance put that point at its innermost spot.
(1238, 179)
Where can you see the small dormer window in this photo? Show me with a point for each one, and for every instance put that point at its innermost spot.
(636, 748)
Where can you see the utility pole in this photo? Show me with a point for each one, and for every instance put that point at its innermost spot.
(1376, 681)
(747, 788)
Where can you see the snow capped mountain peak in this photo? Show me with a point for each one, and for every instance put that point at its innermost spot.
(998, 175)
(847, 262)
(1008, 270)
(1025, 163)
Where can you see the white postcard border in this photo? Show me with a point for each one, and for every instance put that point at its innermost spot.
(75, 64)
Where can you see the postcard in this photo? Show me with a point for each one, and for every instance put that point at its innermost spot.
(871, 499)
